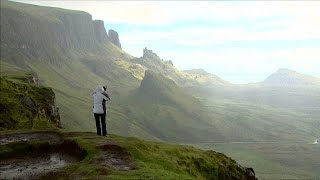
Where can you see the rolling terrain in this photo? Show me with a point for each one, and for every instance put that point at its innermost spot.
(39, 39)
(33, 145)
(150, 98)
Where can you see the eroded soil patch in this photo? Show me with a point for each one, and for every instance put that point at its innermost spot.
(21, 159)
(114, 156)
(33, 167)
(43, 136)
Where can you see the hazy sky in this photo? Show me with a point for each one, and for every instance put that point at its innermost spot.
(239, 41)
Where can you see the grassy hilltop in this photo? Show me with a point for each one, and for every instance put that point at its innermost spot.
(133, 158)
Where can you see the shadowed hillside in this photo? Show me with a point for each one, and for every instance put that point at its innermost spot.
(169, 113)
(70, 53)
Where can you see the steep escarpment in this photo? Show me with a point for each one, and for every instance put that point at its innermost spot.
(114, 38)
(100, 31)
(34, 32)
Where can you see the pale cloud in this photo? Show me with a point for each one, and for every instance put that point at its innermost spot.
(218, 35)
(237, 63)
(159, 12)
(298, 19)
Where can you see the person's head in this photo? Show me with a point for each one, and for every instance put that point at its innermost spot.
(99, 88)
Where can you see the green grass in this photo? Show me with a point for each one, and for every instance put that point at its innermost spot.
(74, 71)
(168, 112)
(153, 160)
(15, 114)
(274, 161)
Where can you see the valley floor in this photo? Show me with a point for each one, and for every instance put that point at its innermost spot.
(291, 160)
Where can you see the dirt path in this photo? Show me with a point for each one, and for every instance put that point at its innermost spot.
(44, 136)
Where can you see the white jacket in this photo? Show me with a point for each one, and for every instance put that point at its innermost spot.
(97, 100)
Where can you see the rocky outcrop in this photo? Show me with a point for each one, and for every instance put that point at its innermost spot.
(100, 31)
(114, 38)
(169, 62)
(26, 106)
(33, 79)
(250, 174)
(149, 54)
(51, 109)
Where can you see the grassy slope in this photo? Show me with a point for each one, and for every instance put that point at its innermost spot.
(257, 122)
(255, 113)
(153, 160)
(73, 74)
(289, 117)
(275, 161)
(170, 113)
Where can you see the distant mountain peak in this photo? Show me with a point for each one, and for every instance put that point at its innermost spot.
(284, 71)
(287, 77)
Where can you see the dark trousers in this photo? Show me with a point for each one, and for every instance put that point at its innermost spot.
(101, 118)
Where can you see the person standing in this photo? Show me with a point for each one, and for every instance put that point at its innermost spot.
(104, 106)
(98, 111)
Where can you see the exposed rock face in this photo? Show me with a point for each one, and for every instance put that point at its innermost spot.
(114, 38)
(50, 37)
(33, 79)
(250, 174)
(100, 31)
(52, 110)
(48, 109)
(169, 62)
(149, 54)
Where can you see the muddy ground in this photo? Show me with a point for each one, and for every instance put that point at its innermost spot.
(114, 156)
(43, 136)
(30, 167)
(33, 165)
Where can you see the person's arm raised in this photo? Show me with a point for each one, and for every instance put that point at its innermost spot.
(106, 95)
